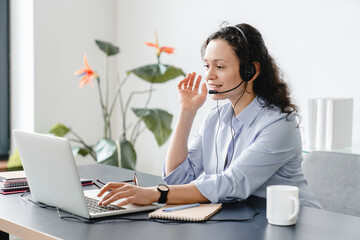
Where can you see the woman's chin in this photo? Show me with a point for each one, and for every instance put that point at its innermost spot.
(217, 96)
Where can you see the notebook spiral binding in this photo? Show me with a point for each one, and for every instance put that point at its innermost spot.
(13, 183)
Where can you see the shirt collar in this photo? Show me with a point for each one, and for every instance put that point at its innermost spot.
(247, 116)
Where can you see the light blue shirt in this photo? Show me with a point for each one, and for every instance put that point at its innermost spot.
(268, 151)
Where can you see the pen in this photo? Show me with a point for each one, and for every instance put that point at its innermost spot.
(181, 207)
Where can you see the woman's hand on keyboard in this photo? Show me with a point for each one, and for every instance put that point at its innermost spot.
(128, 194)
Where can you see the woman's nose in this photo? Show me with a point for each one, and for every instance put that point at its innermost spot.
(210, 74)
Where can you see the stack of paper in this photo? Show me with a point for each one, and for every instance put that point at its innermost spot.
(15, 182)
(329, 124)
(12, 179)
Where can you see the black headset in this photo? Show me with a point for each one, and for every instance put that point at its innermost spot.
(247, 69)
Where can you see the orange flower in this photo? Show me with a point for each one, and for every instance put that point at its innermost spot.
(87, 73)
(159, 49)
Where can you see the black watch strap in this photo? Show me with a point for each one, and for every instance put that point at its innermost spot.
(163, 189)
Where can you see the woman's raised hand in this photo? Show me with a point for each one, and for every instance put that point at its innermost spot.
(188, 90)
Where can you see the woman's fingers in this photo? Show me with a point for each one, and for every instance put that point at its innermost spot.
(129, 194)
(197, 83)
(189, 83)
(108, 187)
(204, 90)
(184, 82)
(126, 201)
(114, 196)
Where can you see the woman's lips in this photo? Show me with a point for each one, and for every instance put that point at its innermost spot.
(215, 86)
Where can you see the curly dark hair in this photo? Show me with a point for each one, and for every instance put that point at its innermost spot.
(269, 86)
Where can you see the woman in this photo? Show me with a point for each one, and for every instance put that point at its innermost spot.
(243, 146)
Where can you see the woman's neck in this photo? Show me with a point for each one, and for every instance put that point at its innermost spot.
(245, 100)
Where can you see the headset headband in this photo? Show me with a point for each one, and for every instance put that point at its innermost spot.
(249, 70)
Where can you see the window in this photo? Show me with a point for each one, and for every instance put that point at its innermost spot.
(4, 80)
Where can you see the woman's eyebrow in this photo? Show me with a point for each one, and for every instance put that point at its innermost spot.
(215, 60)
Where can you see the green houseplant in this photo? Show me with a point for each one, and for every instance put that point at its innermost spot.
(120, 151)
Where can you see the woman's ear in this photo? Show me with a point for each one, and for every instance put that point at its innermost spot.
(257, 71)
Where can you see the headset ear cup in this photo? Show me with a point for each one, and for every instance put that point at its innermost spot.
(249, 72)
(244, 72)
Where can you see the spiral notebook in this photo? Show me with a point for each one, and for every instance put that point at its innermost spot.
(195, 214)
(12, 179)
(24, 188)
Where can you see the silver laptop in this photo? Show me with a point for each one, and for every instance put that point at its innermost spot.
(53, 177)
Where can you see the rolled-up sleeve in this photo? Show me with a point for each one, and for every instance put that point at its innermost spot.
(192, 166)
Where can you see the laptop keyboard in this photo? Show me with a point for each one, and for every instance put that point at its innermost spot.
(95, 208)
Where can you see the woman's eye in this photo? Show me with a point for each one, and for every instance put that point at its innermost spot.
(220, 67)
(206, 66)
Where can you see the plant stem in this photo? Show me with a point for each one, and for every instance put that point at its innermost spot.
(138, 134)
(103, 109)
(117, 93)
(136, 129)
(80, 140)
(107, 123)
(132, 94)
(150, 95)
(91, 152)
(123, 81)
(121, 105)
(137, 124)
(106, 81)
(125, 108)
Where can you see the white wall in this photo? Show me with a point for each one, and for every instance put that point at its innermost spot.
(64, 31)
(58, 33)
(22, 64)
(316, 43)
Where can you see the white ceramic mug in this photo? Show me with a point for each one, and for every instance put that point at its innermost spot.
(282, 204)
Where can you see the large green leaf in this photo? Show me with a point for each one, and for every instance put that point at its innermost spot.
(14, 162)
(128, 154)
(79, 150)
(59, 130)
(106, 152)
(157, 73)
(158, 121)
(108, 48)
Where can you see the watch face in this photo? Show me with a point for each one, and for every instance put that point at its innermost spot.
(163, 188)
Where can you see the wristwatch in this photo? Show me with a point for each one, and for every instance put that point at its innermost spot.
(163, 189)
